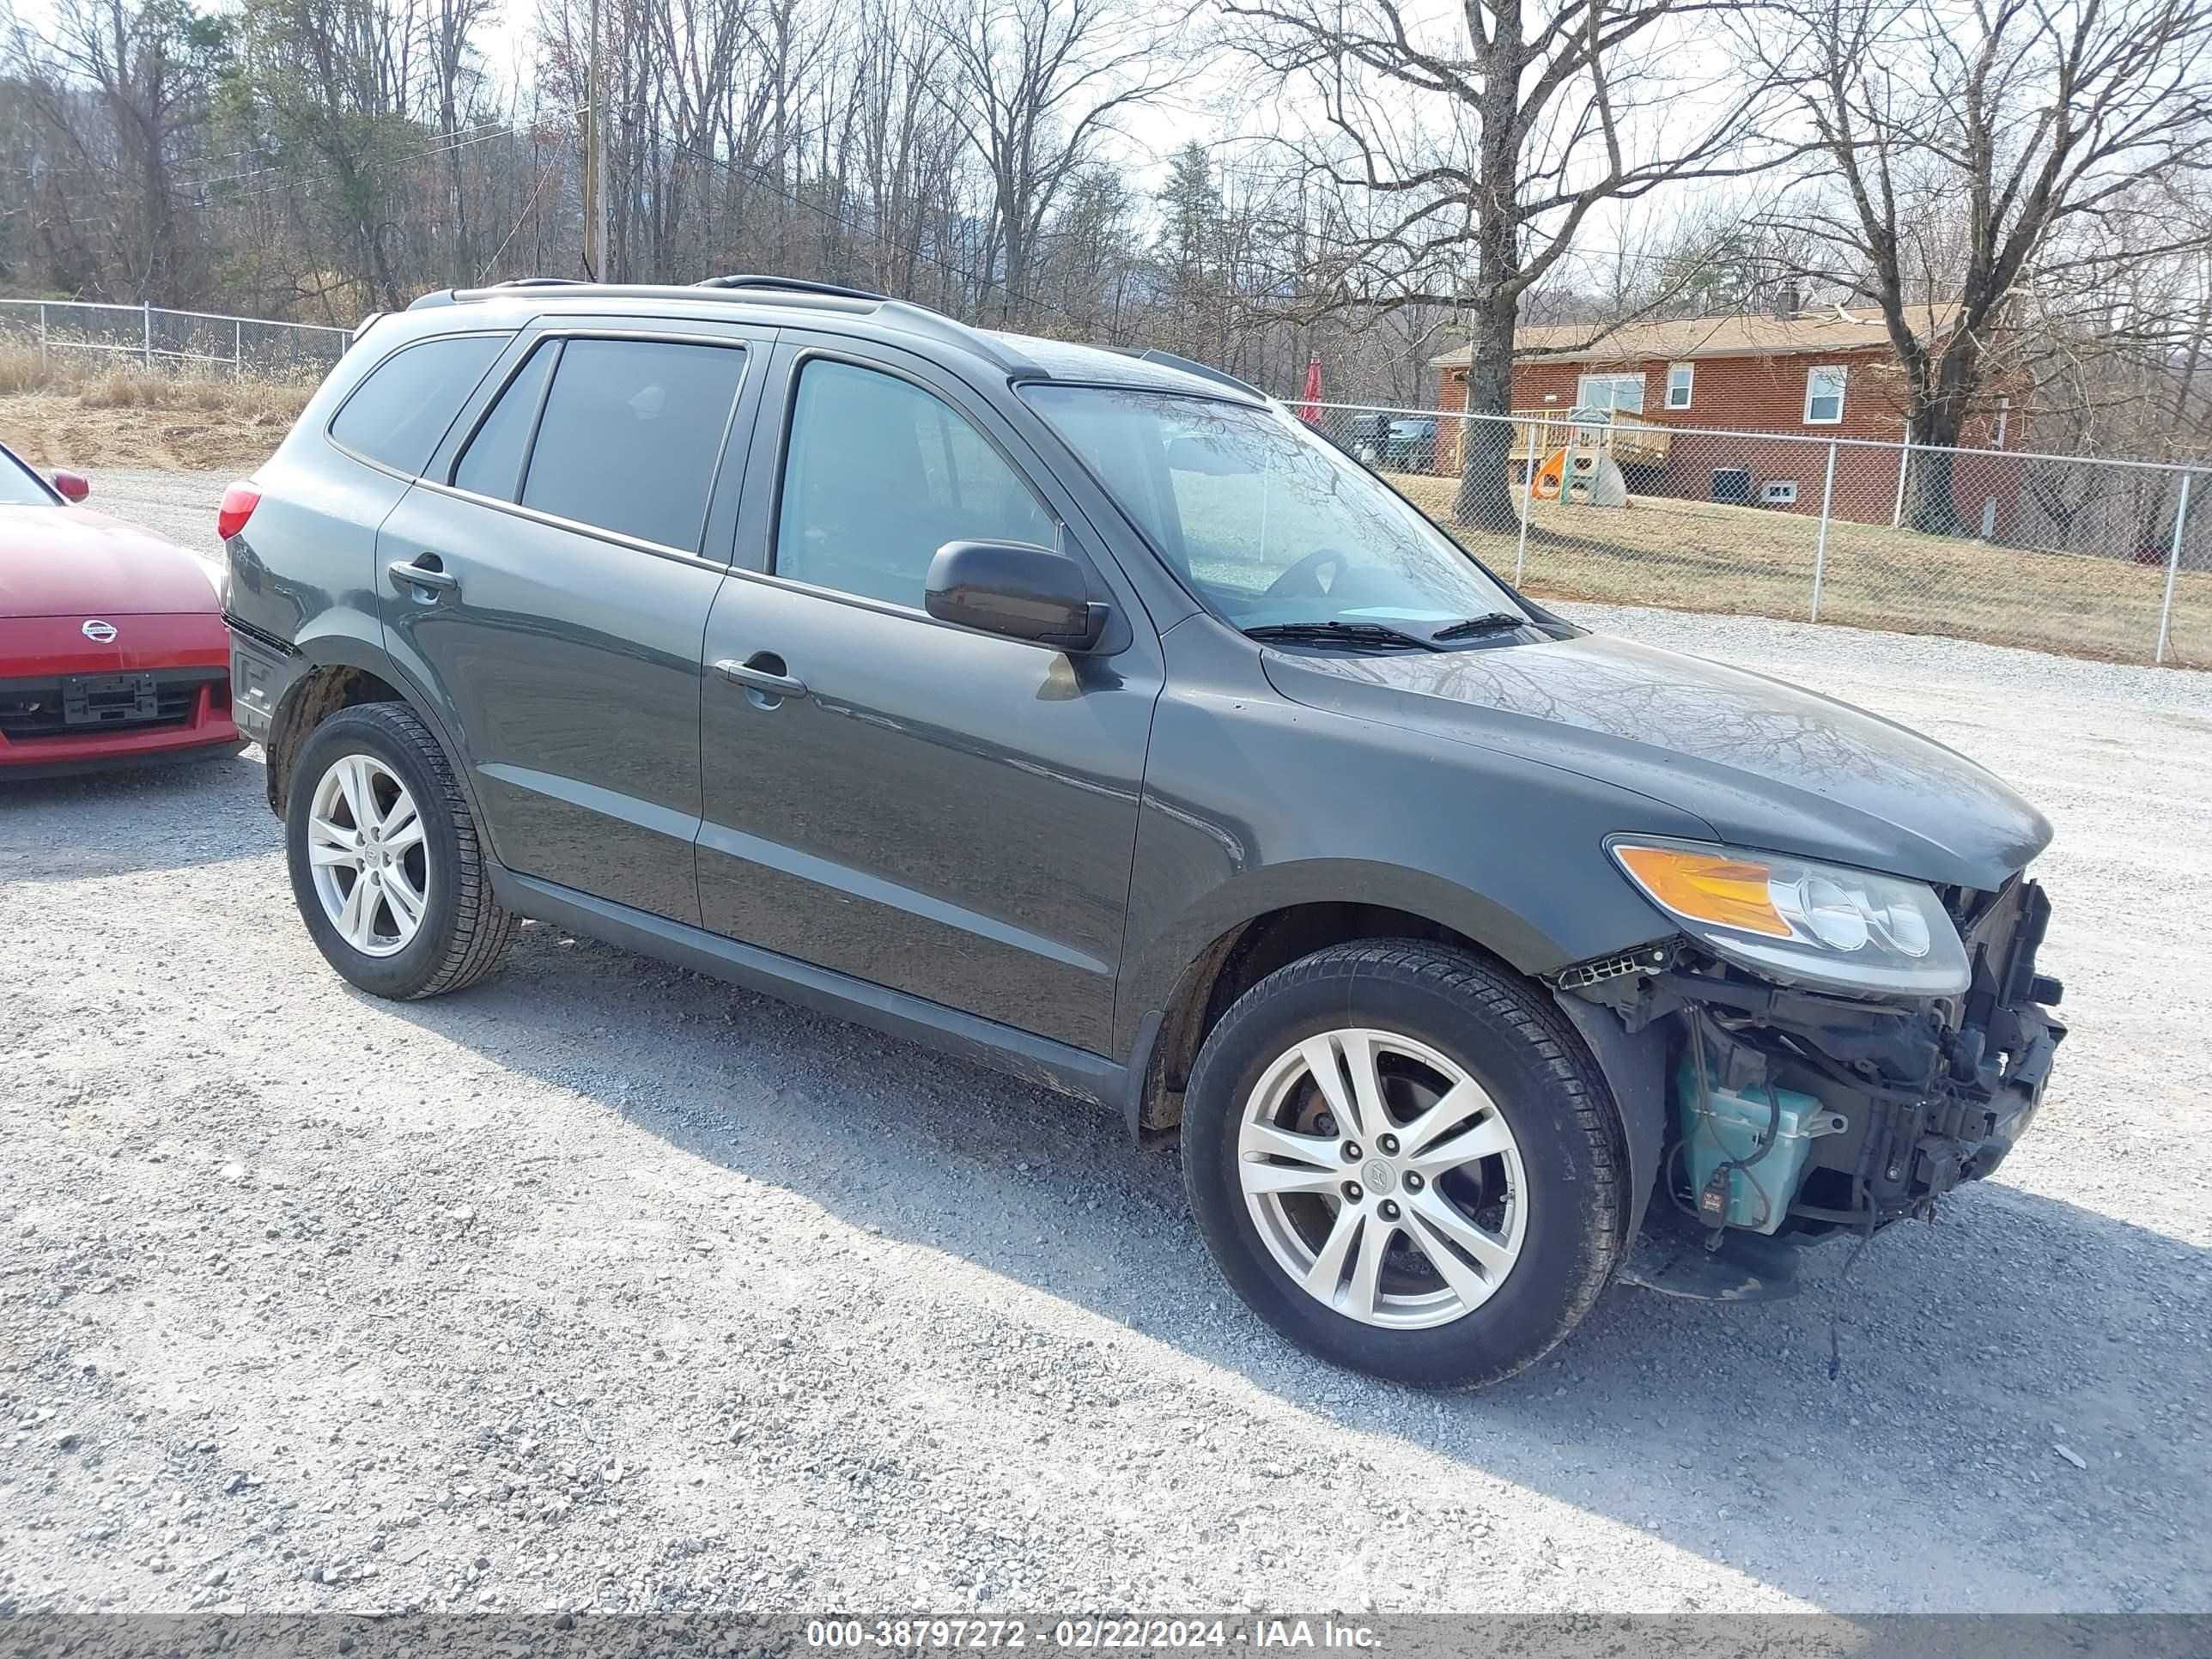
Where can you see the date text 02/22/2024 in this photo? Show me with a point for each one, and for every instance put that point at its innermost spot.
(933, 1634)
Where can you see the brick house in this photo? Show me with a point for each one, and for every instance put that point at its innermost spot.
(1824, 374)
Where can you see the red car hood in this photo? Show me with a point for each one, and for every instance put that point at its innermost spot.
(69, 561)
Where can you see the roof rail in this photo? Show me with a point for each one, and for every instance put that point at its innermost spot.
(796, 284)
(794, 291)
(1190, 366)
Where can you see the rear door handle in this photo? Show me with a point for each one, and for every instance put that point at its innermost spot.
(425, 570)
(761, 671)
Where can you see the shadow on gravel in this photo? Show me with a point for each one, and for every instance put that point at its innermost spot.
(1972, 1350)
(88, 824)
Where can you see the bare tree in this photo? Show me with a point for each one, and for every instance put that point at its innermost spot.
(146, 72)
(1035, 85)
(453, 28)
(1466, 157)
(1974, 156)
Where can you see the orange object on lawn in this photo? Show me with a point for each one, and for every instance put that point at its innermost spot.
(1549, 474)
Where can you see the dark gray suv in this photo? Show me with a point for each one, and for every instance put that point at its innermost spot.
(1083, 714)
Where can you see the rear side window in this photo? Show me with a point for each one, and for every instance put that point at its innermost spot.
(630, 434)
(396, 415)
(492, 464)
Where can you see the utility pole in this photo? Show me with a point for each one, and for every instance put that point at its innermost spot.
(595, 163)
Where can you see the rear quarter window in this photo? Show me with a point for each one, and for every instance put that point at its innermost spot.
(397, 415)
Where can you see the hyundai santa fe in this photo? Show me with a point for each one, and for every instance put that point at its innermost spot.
(1083, 712)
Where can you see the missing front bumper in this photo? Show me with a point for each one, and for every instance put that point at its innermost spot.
(1795, 1113)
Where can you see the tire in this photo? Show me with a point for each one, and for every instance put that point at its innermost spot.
(1527, 1165)
(458, 932)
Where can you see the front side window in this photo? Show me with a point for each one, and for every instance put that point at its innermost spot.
(879, 474)
(1681, 378)
(1824, 395)
(1611, 391)
(1264, 522)
(630, 436)
(398, 413)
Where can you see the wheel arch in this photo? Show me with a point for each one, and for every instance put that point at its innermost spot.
(1224, 957)
(1185, 984)
(343, 671)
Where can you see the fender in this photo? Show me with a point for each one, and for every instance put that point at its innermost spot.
(1633, 1065)
(1153, 967)
(342, 648)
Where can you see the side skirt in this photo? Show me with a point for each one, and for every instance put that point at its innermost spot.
(1033, 1059)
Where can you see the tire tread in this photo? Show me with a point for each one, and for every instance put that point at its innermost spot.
(482, 928)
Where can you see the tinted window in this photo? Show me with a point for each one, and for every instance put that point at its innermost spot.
(399, 412)
(878, 475)
(631, 435)
(492, 464)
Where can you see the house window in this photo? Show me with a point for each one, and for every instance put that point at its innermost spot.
(1681, 377)
(1621, 392)
(1824, 395)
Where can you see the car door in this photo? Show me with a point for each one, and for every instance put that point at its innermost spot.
(945, 812)
(550, 580)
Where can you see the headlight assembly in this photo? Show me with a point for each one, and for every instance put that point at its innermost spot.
(1800, 922)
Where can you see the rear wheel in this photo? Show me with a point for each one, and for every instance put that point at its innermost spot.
(386, 866)
(1403, 1159)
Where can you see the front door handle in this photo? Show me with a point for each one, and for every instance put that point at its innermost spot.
(761, 671)
(424, 571)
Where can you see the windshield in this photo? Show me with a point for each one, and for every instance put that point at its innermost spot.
(1267, 524)
(20, 486)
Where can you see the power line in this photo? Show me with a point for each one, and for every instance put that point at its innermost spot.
(446, 144)
(775, 187)
(509, 125)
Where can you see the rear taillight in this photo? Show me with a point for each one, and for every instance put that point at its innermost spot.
(238, 504)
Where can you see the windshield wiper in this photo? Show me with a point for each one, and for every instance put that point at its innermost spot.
(1496, 621)
(1342, 633)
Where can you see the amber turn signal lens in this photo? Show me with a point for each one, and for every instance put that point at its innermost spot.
(1728, 892)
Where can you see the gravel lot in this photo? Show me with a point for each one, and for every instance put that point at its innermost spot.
(607, 1285)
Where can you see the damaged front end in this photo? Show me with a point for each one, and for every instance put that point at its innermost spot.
(1796, 1110)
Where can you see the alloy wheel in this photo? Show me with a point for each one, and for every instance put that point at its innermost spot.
(370, 859)
(1382, 1178)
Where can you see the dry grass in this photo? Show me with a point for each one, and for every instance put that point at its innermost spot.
(1700, 556)
(66, 412)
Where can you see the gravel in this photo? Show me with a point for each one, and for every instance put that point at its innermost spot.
(606, 1286)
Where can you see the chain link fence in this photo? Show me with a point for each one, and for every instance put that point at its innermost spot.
(2079, 555)
(150, 338)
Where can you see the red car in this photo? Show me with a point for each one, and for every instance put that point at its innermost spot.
(112, 650)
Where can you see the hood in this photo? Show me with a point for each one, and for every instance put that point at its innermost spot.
(70, 562)
(1767, 764)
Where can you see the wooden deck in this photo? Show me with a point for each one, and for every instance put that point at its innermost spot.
(1628, 441)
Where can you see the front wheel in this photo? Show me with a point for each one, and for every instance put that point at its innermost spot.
(1403, 1158)
(387, 866)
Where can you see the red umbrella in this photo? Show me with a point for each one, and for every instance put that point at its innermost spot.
(1309, 400)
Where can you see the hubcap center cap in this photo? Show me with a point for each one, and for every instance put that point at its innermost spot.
(1378, 1177)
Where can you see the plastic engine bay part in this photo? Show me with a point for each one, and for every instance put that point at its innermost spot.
(1745, 1140)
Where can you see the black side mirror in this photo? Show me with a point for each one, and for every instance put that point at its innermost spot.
(1024, 592)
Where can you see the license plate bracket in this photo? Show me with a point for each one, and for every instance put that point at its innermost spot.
(109, 700)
